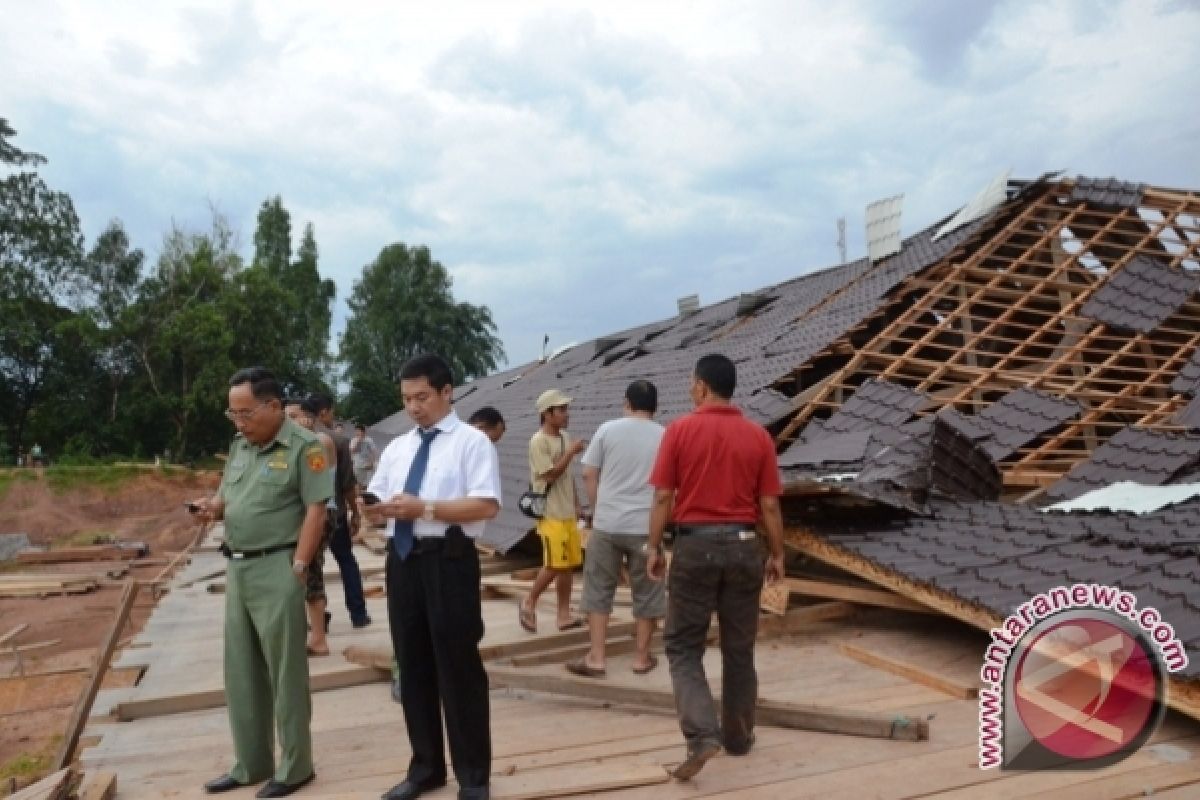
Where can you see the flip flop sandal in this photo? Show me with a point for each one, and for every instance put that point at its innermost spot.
(580, 667)
(527, 617)
(572, 625)
(650, 665)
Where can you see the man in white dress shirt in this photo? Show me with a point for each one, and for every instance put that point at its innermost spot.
(439, 483)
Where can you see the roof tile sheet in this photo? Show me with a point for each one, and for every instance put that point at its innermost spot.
(1141, 296)
(1145, 456)
(998, 556)
(1022, 416)
(1108, 192)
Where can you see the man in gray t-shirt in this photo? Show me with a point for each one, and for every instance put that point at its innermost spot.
(616, 472)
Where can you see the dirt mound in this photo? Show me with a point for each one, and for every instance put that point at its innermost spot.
(72, 506)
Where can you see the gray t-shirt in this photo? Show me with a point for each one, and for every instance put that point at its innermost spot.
(624, 451)
(364, 453)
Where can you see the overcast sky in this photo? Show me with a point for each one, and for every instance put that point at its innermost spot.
(579, 166)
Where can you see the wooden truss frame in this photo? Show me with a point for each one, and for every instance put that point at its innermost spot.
(1003, 311)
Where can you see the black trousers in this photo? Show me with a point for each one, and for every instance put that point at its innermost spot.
(436, 624)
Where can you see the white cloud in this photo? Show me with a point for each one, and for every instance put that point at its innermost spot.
(579, 165)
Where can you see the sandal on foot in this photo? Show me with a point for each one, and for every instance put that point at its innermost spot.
(572, 625)
(527, 617)
(651, 663)
(580, 667)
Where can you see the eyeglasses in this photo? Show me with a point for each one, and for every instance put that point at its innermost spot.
(243, 416)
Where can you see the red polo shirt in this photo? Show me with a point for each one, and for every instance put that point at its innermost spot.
(719, 463)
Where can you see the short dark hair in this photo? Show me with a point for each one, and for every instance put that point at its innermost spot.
(718, 373)
(320, 401)
(642, 396)
(487, 416)
(263, 383)
(431, 367)
(360, 427)
(294, 400)
(310, 405)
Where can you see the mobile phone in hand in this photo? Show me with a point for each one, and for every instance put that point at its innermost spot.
(369, 499)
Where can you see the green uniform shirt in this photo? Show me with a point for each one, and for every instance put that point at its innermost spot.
(267, 489)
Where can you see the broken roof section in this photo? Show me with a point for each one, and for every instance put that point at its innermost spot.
(987, 322)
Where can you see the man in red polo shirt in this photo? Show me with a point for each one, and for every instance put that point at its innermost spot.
(717, 476)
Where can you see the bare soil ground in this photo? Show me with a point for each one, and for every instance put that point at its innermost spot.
(35, 709)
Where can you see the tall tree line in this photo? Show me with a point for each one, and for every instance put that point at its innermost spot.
(103, 354)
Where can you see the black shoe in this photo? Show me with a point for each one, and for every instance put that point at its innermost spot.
(396, 698)
(328, 619)
(222, 784)
(408, 790)
(362, 621)
(741, 749)
(474, 793)
(276, 789)
(696, 758)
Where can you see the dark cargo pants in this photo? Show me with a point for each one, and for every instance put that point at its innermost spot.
(722, 574)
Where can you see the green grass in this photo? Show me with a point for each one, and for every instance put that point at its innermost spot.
(109, 479)
(84, 538)
(31, 765)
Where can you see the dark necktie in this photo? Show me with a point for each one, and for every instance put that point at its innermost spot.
(402, 540)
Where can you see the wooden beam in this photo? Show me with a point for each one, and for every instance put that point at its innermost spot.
(74, 554)
(575, 780)
(767, 712)
(98, 786)
(215, 698)
(910, 671)
(797, 620)
(14, 633)
(55, 786)
(83, 706)
(854, 594)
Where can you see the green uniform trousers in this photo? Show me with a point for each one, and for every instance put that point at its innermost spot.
(266, 669)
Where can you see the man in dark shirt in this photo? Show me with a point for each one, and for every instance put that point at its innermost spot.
(717, 476)
(340, 542)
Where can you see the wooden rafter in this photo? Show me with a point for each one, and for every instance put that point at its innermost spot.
(1006, 313)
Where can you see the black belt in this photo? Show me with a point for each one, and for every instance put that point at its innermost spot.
(739, 530)
(243, 554)
(427, 544)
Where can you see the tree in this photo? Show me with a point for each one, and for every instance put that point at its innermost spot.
(403, 307)
(314, 300)
(306, 326)
(273, 237)
(40, 254)
(113, 272)
(183, 342)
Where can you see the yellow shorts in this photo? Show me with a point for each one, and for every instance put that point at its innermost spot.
(560, 543)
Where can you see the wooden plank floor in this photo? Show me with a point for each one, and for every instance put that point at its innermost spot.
(542, 741)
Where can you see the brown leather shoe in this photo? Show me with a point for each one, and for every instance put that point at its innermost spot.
(695, 761)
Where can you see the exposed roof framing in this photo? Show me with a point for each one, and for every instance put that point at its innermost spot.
(1008, 312)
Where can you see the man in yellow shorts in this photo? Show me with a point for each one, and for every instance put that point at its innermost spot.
(551, 452)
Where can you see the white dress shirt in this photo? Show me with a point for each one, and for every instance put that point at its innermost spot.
(462, 463)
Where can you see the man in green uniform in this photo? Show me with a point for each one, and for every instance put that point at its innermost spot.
(272, 498)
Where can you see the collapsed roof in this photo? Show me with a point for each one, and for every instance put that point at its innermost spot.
(1054, 339)
(1031, 348)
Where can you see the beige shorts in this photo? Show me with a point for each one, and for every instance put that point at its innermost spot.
(606, 553)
